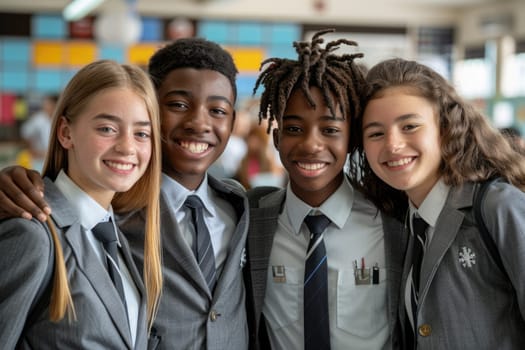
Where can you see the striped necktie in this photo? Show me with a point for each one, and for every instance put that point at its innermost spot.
(203, 249)
(419, 229)
(105, 233)
(316, 320)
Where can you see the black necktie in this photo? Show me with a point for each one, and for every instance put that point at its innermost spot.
(316, 321)
(203, 249)
(419, 230)
(105, 233)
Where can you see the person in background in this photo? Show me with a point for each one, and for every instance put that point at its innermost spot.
(425, 148)
(195, 83)
(64, 282)
(258, 166)
(35, 132)
(315, 100)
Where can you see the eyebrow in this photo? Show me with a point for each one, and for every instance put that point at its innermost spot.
(398, 119)
(113, 118)
(187, 93)
(324, 117)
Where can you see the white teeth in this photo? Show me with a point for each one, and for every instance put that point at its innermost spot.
(311, 166)
(119, 166)
(194, 147)
(399, 162)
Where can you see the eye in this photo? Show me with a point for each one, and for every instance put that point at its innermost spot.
(106, 129)
(331, 130)
(374, 134)
(143, 135)
(292, 129)
(177, 105)
(410, 127)
(219, 111)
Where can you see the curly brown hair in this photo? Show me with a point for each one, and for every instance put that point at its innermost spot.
(340, 79)
(471, 148)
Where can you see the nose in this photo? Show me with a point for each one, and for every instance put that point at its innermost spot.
(198, 120)
(312, 142)
(126, 143)
(394, 141)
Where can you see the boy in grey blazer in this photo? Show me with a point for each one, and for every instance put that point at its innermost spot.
(314, 102)
(195, 81)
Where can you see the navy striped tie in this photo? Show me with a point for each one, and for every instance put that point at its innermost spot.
(203, 249)
(316, 321)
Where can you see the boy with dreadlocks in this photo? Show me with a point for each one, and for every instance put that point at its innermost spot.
(313, 100)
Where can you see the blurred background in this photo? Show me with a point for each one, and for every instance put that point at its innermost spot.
(479, 45)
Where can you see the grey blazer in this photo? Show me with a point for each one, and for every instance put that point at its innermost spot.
(264, 215)
(189, 316)
(26, 254)
(466, 302)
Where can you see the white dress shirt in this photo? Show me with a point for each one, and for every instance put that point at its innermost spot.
(429, 211)
(219, 216)
(90, 214)
(357, 312)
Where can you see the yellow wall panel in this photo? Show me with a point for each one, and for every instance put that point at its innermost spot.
(48, 53)
(81, 53)
(140, 54)
(247, 59)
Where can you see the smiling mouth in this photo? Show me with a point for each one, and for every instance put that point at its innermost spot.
(311, 166)
(194, 147)
(119, 166)
(400, 162)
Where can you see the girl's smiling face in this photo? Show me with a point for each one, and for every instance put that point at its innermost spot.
(108, 143)
(401, 139)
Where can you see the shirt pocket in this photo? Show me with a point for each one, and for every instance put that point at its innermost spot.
(282, 306)
(361, 309)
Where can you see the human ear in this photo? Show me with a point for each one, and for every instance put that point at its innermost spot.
(64, 133)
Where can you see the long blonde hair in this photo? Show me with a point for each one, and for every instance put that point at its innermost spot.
(89, 81)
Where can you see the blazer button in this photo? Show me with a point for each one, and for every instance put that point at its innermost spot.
(213, 315)
(424, 330)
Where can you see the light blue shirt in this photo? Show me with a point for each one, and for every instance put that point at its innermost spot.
(91, 213)
(219, 216)
(357, 312)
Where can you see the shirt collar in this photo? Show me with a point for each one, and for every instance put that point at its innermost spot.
(337, 207)
(176, 193)
(433, 203)
(88, 210)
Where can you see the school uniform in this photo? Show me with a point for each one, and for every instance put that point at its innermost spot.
(362, 314)
(102, 321)
(465, 300)
(190, 315)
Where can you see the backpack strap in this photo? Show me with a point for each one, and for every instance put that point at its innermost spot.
(479, 199)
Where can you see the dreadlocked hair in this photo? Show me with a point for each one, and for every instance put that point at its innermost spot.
(338, 77)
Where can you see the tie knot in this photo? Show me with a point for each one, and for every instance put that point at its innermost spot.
(194, 202)
(419, 226)
(316, 223)
(105, 232)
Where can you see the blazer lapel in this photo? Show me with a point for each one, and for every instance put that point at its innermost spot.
(88, 263)
(445, 232)
(176, 248)
(236, 247)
